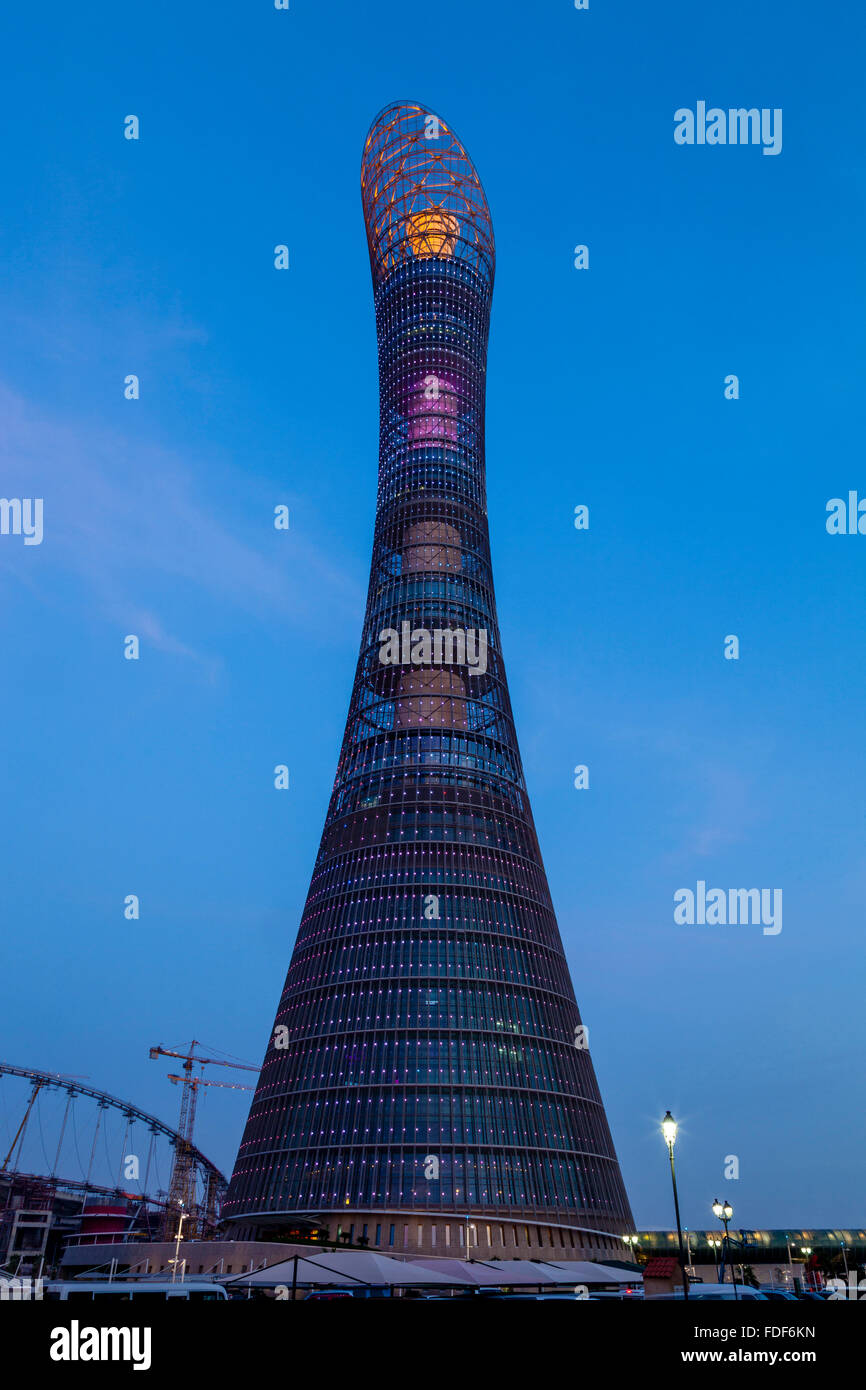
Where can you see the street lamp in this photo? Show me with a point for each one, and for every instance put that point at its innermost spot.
(470, 1228)
(631, 1241)
(715, 1244)
(669, 1130)
(723, 1211)
(176, 1261)
(806, 1250)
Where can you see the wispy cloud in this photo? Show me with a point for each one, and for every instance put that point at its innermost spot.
(128, 518)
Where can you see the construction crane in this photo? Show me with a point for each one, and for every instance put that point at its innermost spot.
(181, 1191)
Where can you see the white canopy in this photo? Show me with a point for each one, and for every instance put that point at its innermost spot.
(343, 1268)
(588, 1272)
(496, 1273)
(492, 1274)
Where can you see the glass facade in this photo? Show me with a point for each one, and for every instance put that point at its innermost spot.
(423, 1054)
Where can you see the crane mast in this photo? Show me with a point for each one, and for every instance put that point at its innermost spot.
(181, 1190)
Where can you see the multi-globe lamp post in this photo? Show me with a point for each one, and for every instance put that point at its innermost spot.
(723, 1211)
(669, 1131)
(715, 1244)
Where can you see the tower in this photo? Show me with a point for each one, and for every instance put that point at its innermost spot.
(423, 1087)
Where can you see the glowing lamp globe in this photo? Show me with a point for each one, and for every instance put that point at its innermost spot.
(432, 232)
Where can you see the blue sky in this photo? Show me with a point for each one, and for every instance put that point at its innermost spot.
(605, 388)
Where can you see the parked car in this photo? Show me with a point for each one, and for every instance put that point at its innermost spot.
(471, 1293)
(712, 1293)
(558, 1295)
(620, 1295)
(779, 1295)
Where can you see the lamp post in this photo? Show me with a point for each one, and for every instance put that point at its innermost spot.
(469, 1229)
(723, 1211)
(806, 1250)
(176, 1260)
(790, 1261)
(631, 1242)
(669, 1130)
(714, 1242)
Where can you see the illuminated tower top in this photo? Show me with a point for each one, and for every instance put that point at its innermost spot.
(421, 195)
